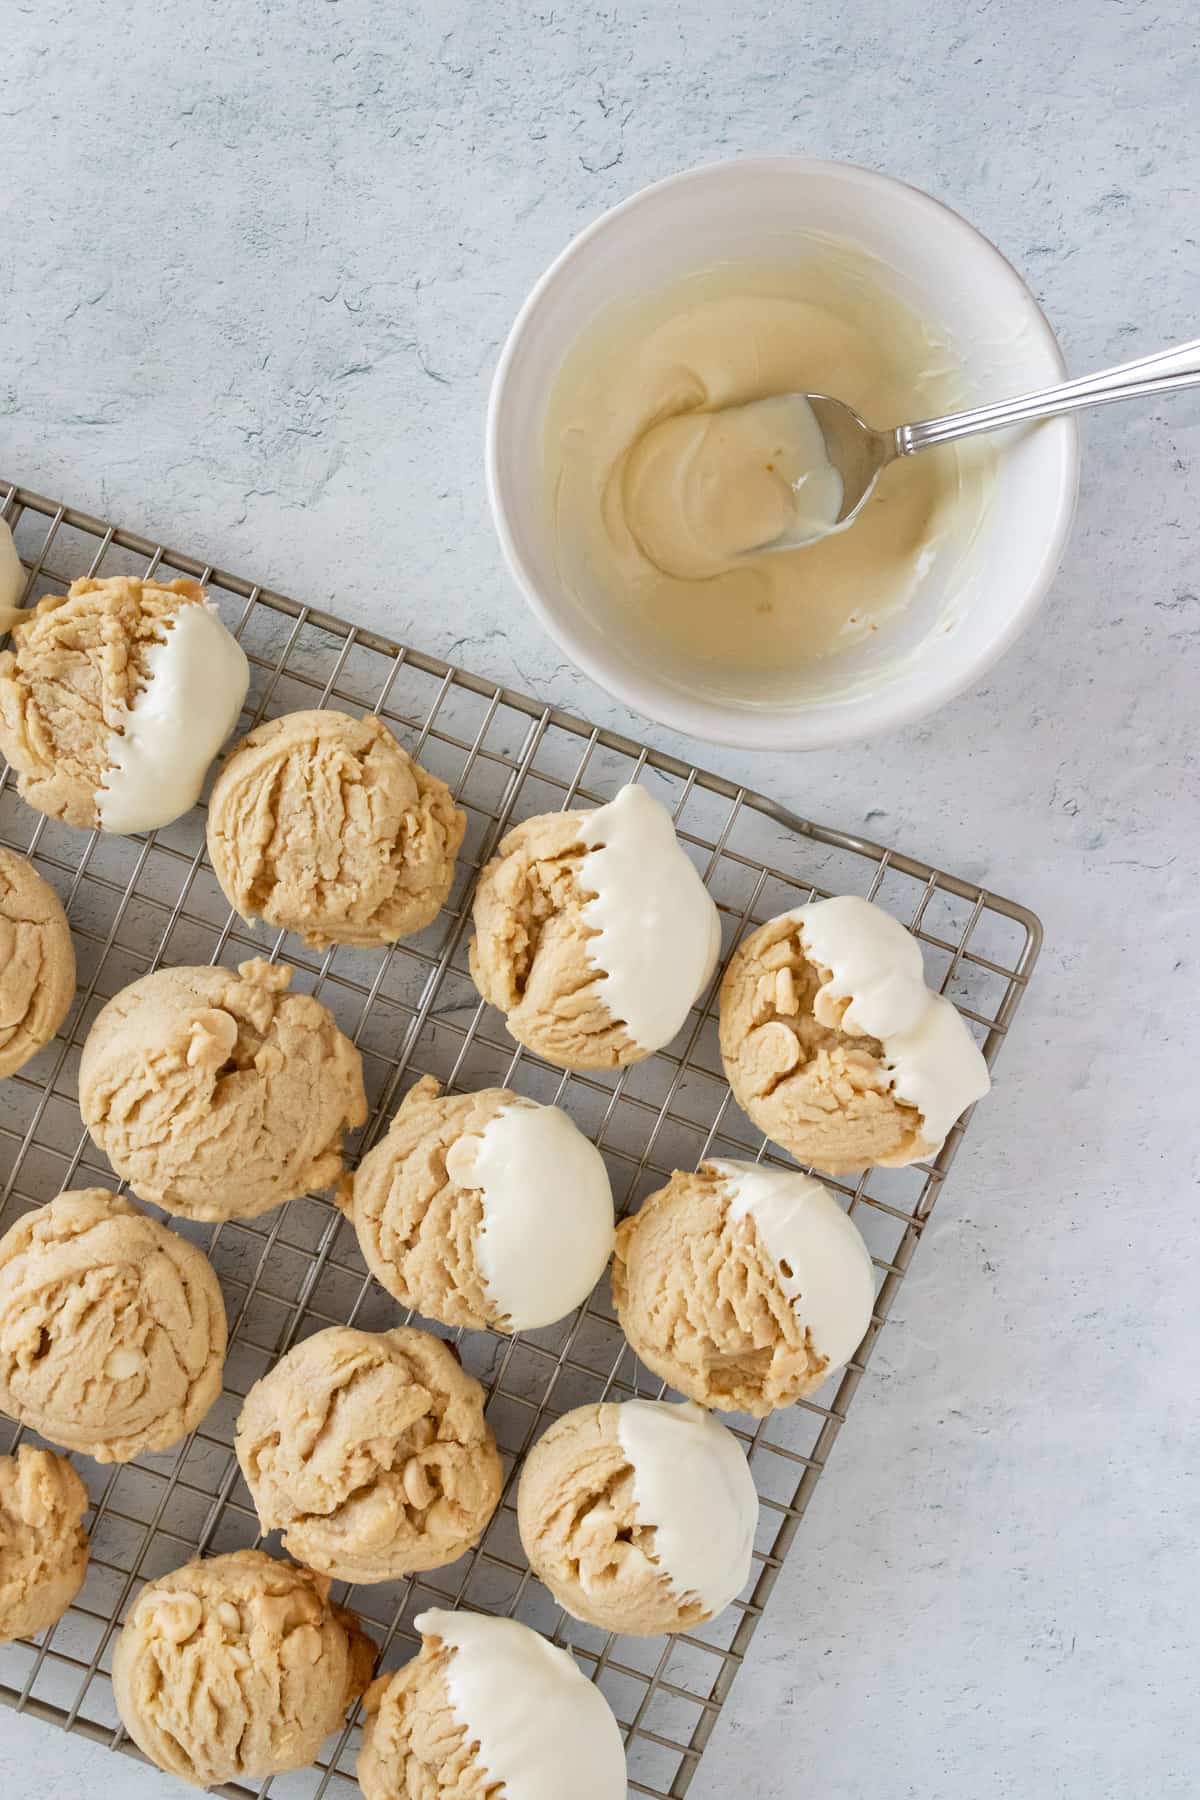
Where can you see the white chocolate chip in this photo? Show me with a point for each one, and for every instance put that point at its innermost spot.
(281, 1613)
(213, 1036)
(829, 1010)
(461, 1158)
(301, 1648)
(417, 1486)
(777, 956)
(774, 1049)
(178, 1617)
(422, 1432)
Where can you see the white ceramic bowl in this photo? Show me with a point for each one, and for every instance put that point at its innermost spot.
(947, 273)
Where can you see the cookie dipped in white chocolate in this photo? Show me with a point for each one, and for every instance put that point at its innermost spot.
(692, 1484)
(12, 579)
(540, 1728)
(875, 966)
(821, 1262)
(546, 1232)
(639, 1516)
(196, 681)
(658, 935)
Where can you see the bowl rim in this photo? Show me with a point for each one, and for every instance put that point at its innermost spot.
(826, 724)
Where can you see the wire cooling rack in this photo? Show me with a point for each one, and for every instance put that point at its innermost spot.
(137, 903)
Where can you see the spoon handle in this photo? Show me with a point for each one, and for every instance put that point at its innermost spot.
(1159, 374)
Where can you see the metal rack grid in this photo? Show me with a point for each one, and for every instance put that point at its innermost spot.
(136, 903)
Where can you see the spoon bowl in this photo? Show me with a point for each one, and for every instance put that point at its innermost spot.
(858, 453)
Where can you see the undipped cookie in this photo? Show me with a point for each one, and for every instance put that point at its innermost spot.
(218, 1095)
(37, 962)
(112, 1327)
(236, 1668)
(370, 1451)
(12, 579)
(43, 1546)
(322, 824)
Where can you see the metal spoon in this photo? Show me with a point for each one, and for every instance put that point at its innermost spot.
(859, 454)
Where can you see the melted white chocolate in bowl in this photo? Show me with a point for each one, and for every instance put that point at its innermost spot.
(649, 538)
(702, 489)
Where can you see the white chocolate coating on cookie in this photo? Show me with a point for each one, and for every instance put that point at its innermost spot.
(197, 677)
(658, 933)
(820, 1259)
(547, 1227)
(12, 579)
(540, 1726)
(876, 964)
(692, 1483)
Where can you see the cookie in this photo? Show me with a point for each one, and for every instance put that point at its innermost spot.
(834, 1046)
(594, 933)
(488, 1709)
(12, 579)
(743, 1286)
(639, 1517)
(371, 1453)
(112, 1327)
(323, 825)
(37, 962)
(236, 1668)
(485, 1209)
(115, 698)
(219, 1095)
(43, 1546)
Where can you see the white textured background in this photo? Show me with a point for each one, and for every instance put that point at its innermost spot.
(256, 260)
